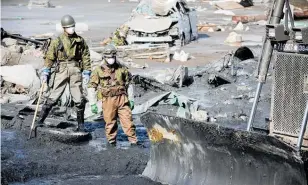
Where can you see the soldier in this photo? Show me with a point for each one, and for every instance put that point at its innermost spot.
(70, 54)
(112, 82)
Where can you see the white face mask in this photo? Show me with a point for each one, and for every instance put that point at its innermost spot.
(110, 61)
(70, 30)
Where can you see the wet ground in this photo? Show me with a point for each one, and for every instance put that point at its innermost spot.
(43, 161)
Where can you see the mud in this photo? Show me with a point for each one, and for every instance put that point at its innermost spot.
(43, 160)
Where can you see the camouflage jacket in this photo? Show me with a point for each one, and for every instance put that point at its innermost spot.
(117, 40)
(110, 81)
(75, 48)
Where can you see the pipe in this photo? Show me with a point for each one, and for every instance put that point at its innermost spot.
(303, 129)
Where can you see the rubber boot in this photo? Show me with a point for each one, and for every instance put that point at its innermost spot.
(43, 114)
(80, 121)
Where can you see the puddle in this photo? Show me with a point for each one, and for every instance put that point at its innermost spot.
(7, 135)
(99, 141)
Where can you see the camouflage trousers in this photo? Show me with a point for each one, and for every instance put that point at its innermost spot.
(117, 106)
(68, 74)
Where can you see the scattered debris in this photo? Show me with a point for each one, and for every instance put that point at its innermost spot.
(228, 5)
(200, 115)
(233, 38)
(39, 4)
(225, 12)
(160, 21)
(181, 56)
(217, 80)
(248, 18)
(5, 55)
(26, 77)
(206, 27)
(239, 27)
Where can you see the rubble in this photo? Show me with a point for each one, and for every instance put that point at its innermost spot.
(248, 18)
(239, 27)
(181, 56)
(225, 12)
(233, 38)
(39, 3)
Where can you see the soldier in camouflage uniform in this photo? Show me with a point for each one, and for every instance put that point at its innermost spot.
(112, 81)
(70, 54)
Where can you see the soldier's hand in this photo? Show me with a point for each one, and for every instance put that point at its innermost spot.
(131, 105)
(45, 75)
(86, 76)
(94, 109)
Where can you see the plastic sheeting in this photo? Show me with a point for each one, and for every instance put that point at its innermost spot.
(186, 104)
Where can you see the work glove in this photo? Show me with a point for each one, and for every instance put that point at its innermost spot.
(94, 109)
(131, 104)
(45, 74)
(86, 76)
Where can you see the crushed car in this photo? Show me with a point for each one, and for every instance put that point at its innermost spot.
(162, 21)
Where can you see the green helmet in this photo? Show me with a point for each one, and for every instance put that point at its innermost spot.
(110, 50)
(67, 21)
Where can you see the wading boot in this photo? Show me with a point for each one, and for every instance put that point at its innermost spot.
(43, 115)
(80, 121)
(111, 144)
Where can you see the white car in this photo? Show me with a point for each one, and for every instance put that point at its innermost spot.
(162, 21)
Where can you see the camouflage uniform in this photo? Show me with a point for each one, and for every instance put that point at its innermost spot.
(118, 39)
(112, 83)
(71, 63)
(69, 59)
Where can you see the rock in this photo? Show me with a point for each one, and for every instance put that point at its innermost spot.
(16, 48)
(243, 88)
(210, 30)
(5, 55)
(182, 56)
(4, 99)
(234, 38)
(27, 76)
(9, 42)
(243, 117)
(227, 102)
(200, 115)
(239, 27)
(221, 115)
(216, 80)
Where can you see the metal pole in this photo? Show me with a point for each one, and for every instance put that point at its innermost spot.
(266, 58)
(303, 129)
(254, 106)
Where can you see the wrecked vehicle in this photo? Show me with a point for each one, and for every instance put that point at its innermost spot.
(160, 21)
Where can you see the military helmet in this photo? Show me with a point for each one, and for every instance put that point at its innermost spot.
(110, 50)
(67, 21)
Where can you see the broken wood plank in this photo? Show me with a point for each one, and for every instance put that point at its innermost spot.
(229, 5)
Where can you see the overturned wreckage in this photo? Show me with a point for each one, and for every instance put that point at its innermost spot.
(184, 151)
(161, 21)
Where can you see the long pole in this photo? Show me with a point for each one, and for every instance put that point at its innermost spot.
(36, 109)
